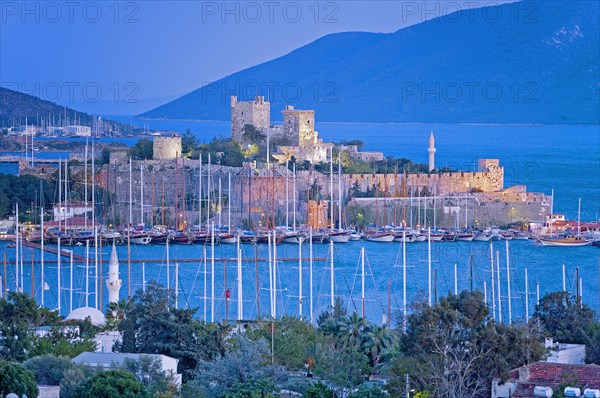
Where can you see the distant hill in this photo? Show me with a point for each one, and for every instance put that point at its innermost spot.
(526, 62)
(15, 105)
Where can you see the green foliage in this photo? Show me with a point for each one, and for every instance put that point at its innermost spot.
(143, 150)
(252, 135)
(365, 391)
(149, 372)
(318, 390)
(15, 378)
(564, 317)
(294, 340)
(352, 346)
(222, 151)
(189, 142)
(152, 326)
(458, 349)
(111, 384)
(48, 369)
(25, 190)
(246, 360)
(18, 315)
(73, 378)
(252, 389)
(63, 342)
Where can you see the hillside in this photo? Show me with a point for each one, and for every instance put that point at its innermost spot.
(527, 62)
(15, 105)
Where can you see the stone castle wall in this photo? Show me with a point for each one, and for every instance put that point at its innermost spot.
(256, 112)
(166, 148)
(299, 126)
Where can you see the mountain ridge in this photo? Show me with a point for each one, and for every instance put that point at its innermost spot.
(541, 67)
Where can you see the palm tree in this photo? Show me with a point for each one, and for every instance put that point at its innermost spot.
(116, 312)
(376, 340)
(352, 329)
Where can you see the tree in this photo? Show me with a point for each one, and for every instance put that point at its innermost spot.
(148, 371)
(189, 142)
(111, 384)
(15, 378)
(261, 388)
(48, 369)
(294, 340)
(245, 361)
(364, 391)
(252, 135)
(458, 348)
(318, 390)
(143, 150)
(73, 378)
(18, 315)
(564, 317)
(157, 328)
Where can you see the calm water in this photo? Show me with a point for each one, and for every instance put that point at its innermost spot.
(383, 264)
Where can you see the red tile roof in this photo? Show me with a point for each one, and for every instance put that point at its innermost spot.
(553, 374)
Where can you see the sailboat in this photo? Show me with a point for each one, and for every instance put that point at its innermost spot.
(564, 240)
(339, 235)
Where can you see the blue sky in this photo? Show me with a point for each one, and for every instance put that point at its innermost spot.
(126, 57)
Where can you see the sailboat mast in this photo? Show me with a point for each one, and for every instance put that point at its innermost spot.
(200, 198)
(332, 224)
(141, 193)
(229, 203)
(508, 284)
(362, 280)
(294, 198)
(239, 283)
(310, 274)
(212, 264)
(42, 253)
(300, 297)
(331, 275)
(526, 297)
(287, 194)
(17, 233)
(429, 264)
(340, 191)
(493, 281)
(404, 279)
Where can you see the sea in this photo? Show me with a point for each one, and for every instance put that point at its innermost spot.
(563, 159)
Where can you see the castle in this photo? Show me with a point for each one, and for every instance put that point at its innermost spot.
(297, 134)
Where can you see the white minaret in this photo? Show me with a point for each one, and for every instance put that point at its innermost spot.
(113, 283)
(431, 151)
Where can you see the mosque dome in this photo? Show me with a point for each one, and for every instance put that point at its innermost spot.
(97, 317)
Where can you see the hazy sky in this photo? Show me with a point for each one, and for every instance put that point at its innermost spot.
(128, 56)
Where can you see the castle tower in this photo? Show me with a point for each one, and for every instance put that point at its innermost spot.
(431, 151)
(113, 283)
(256, 113)
(299, 126)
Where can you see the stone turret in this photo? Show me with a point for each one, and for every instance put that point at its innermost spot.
(431, 151)
(113, 283)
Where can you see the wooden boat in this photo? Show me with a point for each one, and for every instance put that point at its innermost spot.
(464, 236)
(228, 238)
(482, 237)
(384, 237)
(339, 237)
(293, 238)
(565, 241)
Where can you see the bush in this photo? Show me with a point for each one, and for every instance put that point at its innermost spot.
(111, 384)
(48, 369)
(73, 378)
(15, 378)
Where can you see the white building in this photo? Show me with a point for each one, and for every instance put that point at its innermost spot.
(112, 359)
(79, 131)
(63, 211)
